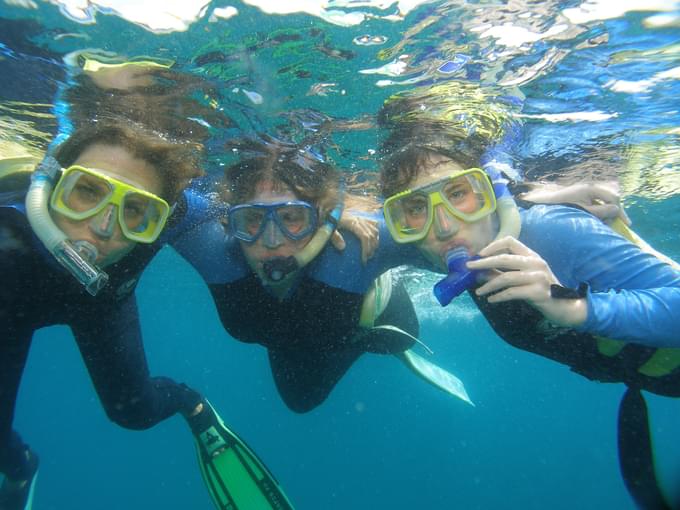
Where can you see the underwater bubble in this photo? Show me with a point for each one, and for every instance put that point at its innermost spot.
(454, 65)
(254, 97)
(369, 40)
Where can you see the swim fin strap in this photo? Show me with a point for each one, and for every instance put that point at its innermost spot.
(236, 478)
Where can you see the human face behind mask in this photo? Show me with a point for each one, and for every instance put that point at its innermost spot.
(447, 231)
(103, 230)
(270, 241)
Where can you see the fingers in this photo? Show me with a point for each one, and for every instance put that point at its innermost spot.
(507, 245)
(369, 244)
(606, 192)
(604, 212)
(338, 241)
(535, 285)
(368, 234)
(513, 293)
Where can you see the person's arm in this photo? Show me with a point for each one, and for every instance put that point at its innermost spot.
(345, 269)
(601, 199)
(632, 295)
(198, 235)
(110, 341)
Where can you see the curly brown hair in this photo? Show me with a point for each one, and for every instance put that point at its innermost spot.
(401, 166)
(288, 166)
(456, 120)
(175, 163)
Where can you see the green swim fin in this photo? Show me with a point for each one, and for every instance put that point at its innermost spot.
(236, 478)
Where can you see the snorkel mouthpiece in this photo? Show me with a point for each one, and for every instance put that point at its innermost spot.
(87, 251)
(78, 257)
(460, 278)
(278, 268)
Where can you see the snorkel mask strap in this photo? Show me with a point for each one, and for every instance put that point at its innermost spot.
(77, 257)
(277, 269)
(497, 164)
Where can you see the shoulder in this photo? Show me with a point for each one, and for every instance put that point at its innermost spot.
(15, 231)
(581, 248)
(192, 209)
(216, 256)
(548, 227)
(345, 270)
(544, 218)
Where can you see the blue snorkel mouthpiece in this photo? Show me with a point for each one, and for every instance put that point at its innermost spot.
(460, 278)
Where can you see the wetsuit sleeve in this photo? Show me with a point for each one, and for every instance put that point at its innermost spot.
(632, 296)
(215, 256)
(192, 210)
(344, 269)
(110, 342)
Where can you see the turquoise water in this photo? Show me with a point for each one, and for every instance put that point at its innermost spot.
(600, 99)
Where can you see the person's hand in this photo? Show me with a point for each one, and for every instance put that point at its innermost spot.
(366, 231)
(601, 199)
(517, 272)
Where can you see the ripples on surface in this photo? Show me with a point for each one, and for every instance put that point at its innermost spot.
(595, 85)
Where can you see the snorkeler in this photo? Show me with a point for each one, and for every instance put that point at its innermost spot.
(562, 287)
(75, 236)
(274, 283)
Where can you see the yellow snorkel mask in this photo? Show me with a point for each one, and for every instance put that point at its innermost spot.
(83, 193)
(468, 196)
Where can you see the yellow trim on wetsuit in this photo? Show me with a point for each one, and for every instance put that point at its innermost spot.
(376, 300)
(664, 360)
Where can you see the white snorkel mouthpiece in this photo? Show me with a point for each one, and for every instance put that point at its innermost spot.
(77, 257)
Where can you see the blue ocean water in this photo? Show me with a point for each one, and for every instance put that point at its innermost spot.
(539, 435)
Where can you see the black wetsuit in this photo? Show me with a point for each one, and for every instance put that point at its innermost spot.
(313, 336)
(524, 327)
(35, 293)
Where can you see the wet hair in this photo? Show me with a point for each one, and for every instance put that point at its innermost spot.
(175, 163)
(455, 120)
(168, 103)
(301, 170)
(404, 166)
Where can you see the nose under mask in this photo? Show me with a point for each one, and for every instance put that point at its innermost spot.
(445, 224)
(272, 237)
(104, 223)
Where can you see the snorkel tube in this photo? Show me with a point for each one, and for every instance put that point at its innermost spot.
(279, 268)
(495, 162)
(77, 257)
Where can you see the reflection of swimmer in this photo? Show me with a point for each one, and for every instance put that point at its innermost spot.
(567, 281)
(279, 286)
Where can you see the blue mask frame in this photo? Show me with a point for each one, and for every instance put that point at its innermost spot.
(271, 213)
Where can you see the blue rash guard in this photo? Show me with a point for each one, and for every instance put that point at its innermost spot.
(633, 296)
